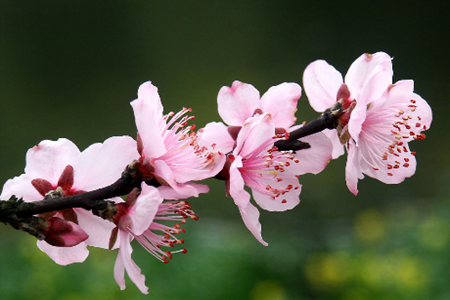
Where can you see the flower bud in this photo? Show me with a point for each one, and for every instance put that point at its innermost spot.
(62, 233)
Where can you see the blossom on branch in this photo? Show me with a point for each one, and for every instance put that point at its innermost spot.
(57, 169)
(367, 78)
(379, 118)
(168, 147)
(139, 218)
(254, 162)
(381, 149)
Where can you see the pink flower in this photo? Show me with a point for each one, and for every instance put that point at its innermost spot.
(381, 149)
(255, 124)
(169, 151)
(254, 163)
(241, 101)
(58, 168)
(367, 79)
(380, 120)
(138, 219)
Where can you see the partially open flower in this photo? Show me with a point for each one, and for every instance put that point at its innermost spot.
(140, 218)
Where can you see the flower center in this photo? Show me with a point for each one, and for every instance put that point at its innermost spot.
(265, 172)
(62, 189)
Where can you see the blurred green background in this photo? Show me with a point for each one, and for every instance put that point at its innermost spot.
(70, 68)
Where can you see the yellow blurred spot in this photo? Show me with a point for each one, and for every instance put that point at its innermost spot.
(327, 270)
(411, 273)
(434, 233)
(373, 269)
(268, 290)
(397, 270)
(370, 226)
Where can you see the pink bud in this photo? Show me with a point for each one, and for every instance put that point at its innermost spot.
(62, 233)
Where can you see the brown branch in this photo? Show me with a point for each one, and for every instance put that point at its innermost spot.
(328, 120)
(90, 200)
(26, 216)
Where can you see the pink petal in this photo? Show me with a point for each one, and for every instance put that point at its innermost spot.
(100, 165)
(382, 173)
(321, 82)
(98, 229)
(240, 196)
(169, 193)
(65, 255)
(238, 103)
(250, 216)
(400, 93)
(357, 118)
(148, 115)
(291, 198)
(149, 94)
(119, 272)
(48, 159)
(255, 132)
(281, 102)
(21, 187)
(352, 169)
(315, 159)
(185, 190)
(215, 135)
(338, 148)
(402, 98)
(423, 110)
(369, 76)
(124, 261)
(145, 208)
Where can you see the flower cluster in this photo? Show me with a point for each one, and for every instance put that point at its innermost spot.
(127, 189)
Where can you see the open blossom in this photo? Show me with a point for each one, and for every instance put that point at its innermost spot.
(241, 101)
(139, 218)
(381, 150)
(254, 125)
(380, 120)
(58, 169)
(254, 162)
(367, 79)
(168, 147)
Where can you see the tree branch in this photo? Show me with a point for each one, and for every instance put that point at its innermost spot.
(22, 215)
(329, 119)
